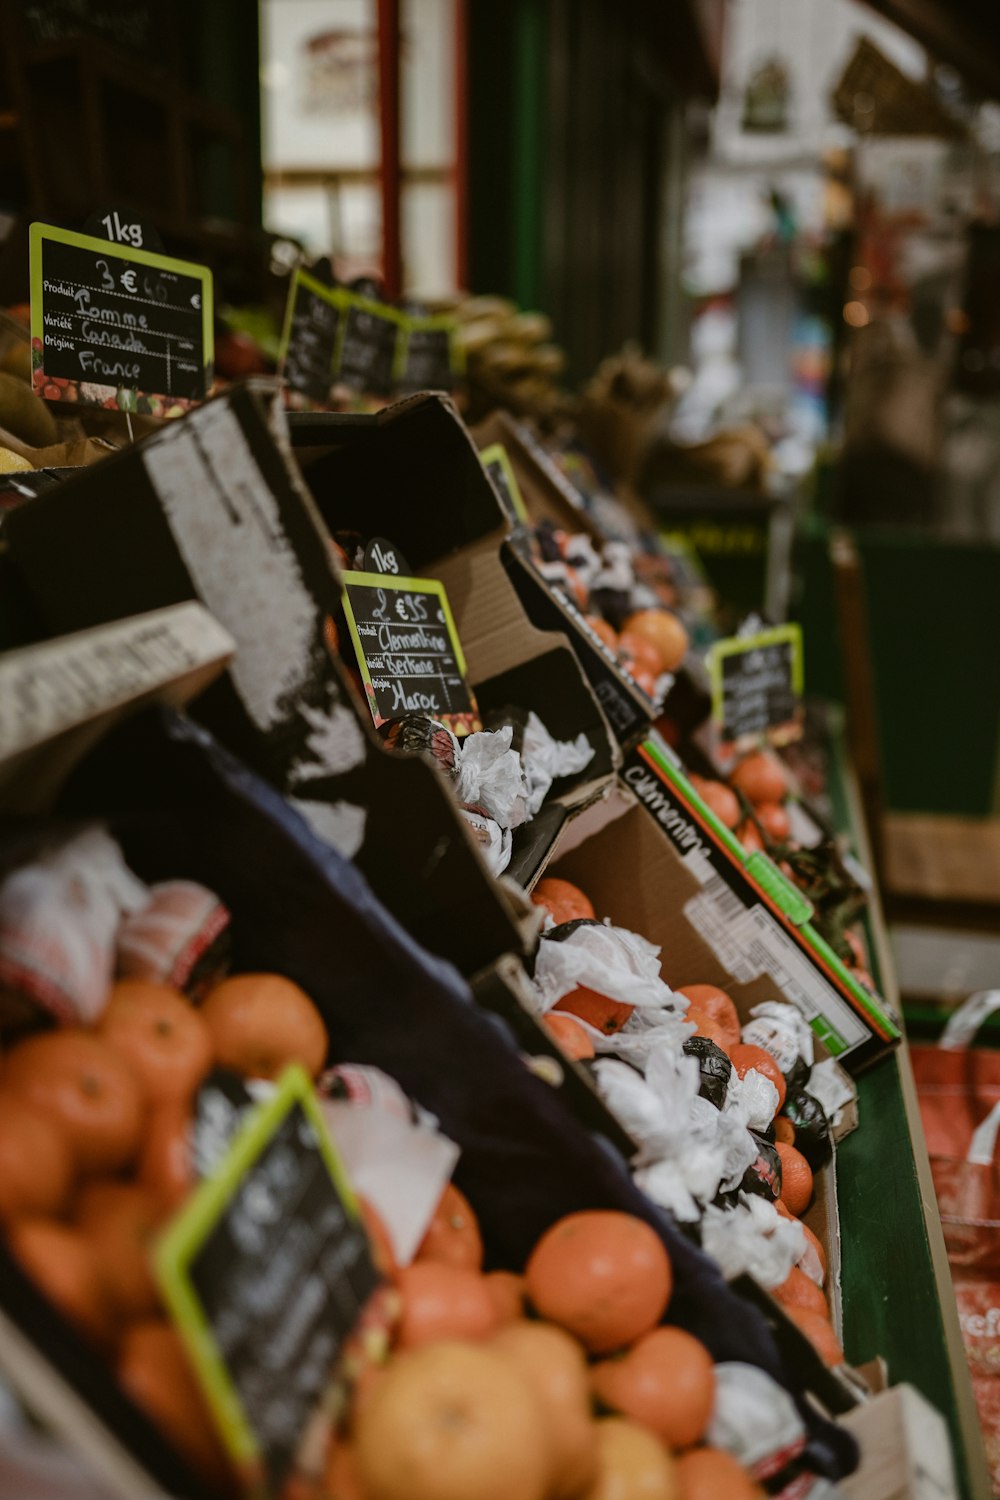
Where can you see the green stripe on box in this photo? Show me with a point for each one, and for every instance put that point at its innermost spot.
(796, 907)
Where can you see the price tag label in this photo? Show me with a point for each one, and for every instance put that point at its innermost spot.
(313, 324)
(496, 461)
(265, 1272)
(431, 359)
(116, 326)
(757, 685)
(371, 345)
(408, 650)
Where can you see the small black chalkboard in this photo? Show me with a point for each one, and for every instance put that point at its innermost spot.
(313, 323)
(496, 461)
(428, 362)
(368, 356)
(757, 684)
(112, 325)
(408, 650)
(266, 1272)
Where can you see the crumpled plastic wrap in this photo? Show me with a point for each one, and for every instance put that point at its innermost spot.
(59, 917)
(688, 1148)
(646, 1030)
(752, 1099)
(755, 1420)
(611, 960)
(489, 777)
(782, 1030)
(832, 1090)
(544, 759)
(494, 842)
(178, 937)
(753, 1238)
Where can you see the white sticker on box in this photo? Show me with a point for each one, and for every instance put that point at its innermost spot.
(700, 866)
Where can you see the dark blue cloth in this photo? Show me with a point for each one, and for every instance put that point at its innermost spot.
(184, 808)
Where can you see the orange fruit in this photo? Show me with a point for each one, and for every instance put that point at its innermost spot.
(724, 803)
(451, 1422)
(606, 632)
(259, 1023)
(639, 654)
(453, 1234)
(664, 631)
(598, 1010)
(711, 1474)
(383, 1251)
(665, 1382)
(797, 1290)
(570, 1035)
(508, 1292)
(443, 1302)
(553, 1366)
(120, 1220)
(154, 1371)
(36, 1161)
(601, 1274)
(784, 1130)
(819, 1331)
(88, 1088)
(774, 820)
(749, 836)
(65, 1267)
(340, 1475)
(796, 1179)
(165, 1041)
(631, 1464)
(761, 778)
(166, 1164)
(713, 1013)
(816, 1246)
(564, 901)
(746, 1056)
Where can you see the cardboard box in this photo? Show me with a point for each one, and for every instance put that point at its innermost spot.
(754, 919)
(212, 507)
(905, 1449)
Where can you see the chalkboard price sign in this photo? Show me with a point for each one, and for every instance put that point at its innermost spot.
(313, 324)
(265, 1273)
(112, 325)
(429, 361)
(757, 685)
(368, 357)
(408, 651)
(496, 461)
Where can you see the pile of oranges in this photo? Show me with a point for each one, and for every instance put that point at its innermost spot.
(558, 1384)
(753, 804)
(650, 643)
(96, 1156)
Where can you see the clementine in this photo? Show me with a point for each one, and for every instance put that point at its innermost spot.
(601, 1274)
(564, 901)
(166, 1164)
(340, 1476)
(813, 1262)
(154, 1370)
(553, 1366)
(746, 1056)
(798, 1290)
(259, 1023)
(665, 1382)
(120, 1220)
(749, 836)
(819, 1331)
(570, 1035)
(162, 1037)
(36, 1160)
(784, 1130)
(443, 1302)
(761, 778)
(631, 1464)
(453, 1234)
(508, 1292)
(88, 1088)
(450, 1422)
(603, 630)
(64, 1265)
(796, 1178)
(711, 1474)
(713, 1012)
(598, 1010)
(639, 654)
(724, 803)
(774, 820)
(664, 631)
